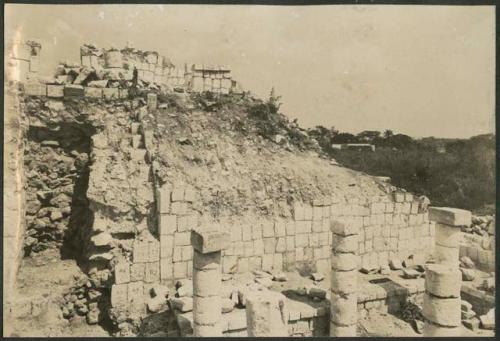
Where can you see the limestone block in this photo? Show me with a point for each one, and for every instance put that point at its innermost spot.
(207, 310)
(136, 294)
(207, 283)
(122, 272)
(278, 262)
(182, 238)
(137, 271)
(166, 269)
(229, 264)
(442, 281)
(257, 231)
(342, 331)
(136, 141)
(279, 229)
(343, 309)
(119, 295)
(182, 304)
(317, 213)
(111, 93)
(447, 255)
(442, 311)
(180, 270)
(344, 282)
(209, 241)
(248, 248)
(236, 233)
(290, 228)
(208, 261)
(317, 226)
(152, 272)
(314, 239)
(308, 212)
(243, 265)
(166, 246)
(344, 227)
(301, 240)
(345, 244)
(55, 91)
(298, 211)
(299, 253)
(179, 208)
(447, 235)
(152, 101)
(153, 251)
(258, 247)
(432, 330)
(344, 261)
(35, 89)
(140, 251)
(267, 314)
(177, 194)
(267, 262)
(450, 216)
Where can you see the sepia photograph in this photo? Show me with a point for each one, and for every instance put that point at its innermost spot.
(244, 170)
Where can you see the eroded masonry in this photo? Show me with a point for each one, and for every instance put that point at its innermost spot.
(186, 222)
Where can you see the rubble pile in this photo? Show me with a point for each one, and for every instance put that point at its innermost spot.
(56, 162)
(481, 225)
(82, 300)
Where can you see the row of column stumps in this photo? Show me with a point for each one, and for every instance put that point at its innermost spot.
(343, 285)
(443, 280)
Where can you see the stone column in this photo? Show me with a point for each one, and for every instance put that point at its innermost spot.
(447, 239)
(443, 280)
(266, 314)
(207, 310)
(344, 263)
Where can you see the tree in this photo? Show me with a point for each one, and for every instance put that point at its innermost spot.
(388, 133)
(344, 138)
(368, 135)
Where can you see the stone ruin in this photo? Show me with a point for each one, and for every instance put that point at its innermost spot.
(109, 73)
(93, 186)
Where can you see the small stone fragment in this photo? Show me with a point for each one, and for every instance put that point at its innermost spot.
(468, 274)
(488, 320)
(466, 262)
(280, 277)
(410, 274)
(472, 324)
(317, 277)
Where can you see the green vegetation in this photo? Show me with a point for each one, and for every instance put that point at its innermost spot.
(456, 173)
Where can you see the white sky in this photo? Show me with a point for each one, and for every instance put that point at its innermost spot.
(418, 70)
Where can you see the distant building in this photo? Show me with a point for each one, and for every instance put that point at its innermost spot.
(354, 146)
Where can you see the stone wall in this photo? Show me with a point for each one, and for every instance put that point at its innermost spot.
(390, 226)
(154, 68)
(14, 191)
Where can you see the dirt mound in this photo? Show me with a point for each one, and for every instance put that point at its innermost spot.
(237, 166)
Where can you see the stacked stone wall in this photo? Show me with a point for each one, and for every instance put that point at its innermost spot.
(388, 228)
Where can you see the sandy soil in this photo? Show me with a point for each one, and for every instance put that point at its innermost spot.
(42, 281)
